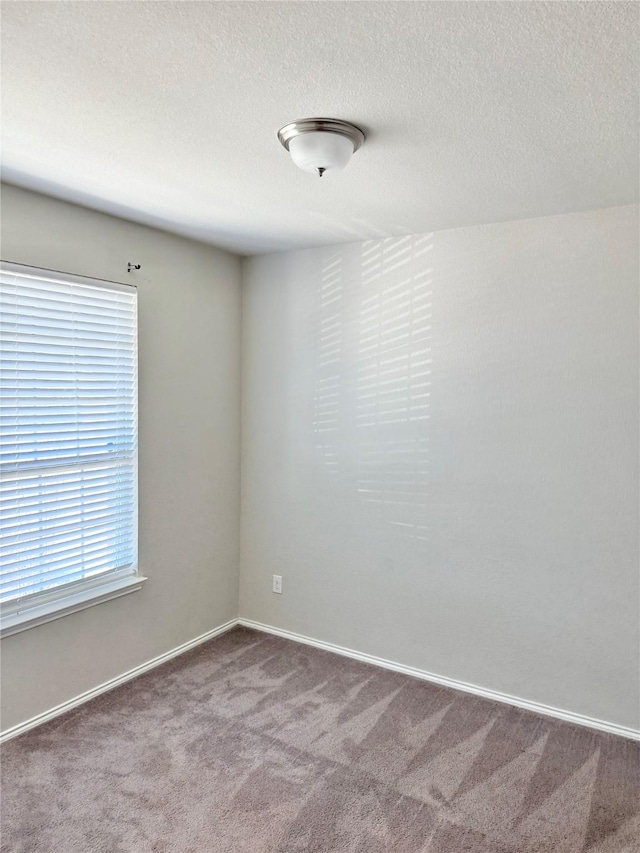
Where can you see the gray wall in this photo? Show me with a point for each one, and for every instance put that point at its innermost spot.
(440, 454)
(189, 349)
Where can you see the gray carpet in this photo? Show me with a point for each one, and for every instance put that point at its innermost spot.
(251, 744)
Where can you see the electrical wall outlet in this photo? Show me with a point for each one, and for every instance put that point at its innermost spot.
(276, 585)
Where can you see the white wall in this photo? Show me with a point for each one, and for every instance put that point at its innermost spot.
(189, 351)
(440, 454)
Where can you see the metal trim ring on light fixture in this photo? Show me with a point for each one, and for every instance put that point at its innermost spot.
(326, 125)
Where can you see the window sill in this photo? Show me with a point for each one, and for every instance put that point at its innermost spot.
(38, 615)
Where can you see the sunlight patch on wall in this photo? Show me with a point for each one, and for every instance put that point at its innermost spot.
(328, 347)
(373, 374)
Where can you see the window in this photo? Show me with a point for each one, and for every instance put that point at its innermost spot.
(68, 444)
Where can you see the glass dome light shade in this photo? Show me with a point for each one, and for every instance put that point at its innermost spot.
(320, 150)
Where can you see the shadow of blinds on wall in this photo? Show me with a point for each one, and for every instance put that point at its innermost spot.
(68, 435)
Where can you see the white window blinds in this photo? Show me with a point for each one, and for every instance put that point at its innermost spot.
(68, 434)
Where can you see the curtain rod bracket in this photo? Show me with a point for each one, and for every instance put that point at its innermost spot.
(131, 266)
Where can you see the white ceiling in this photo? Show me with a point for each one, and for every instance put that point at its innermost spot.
(475, 112)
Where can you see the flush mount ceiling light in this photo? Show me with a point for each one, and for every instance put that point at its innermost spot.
(320, 144)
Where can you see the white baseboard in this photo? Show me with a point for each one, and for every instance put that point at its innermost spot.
(536, 707)
(14, 731)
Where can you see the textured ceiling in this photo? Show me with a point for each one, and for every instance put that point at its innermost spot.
(167, 112)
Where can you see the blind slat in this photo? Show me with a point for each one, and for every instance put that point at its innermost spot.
(67, 554)
(46, 511)
(31, 535)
